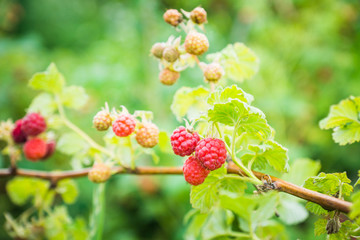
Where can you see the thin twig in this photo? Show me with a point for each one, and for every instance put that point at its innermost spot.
(326, 201)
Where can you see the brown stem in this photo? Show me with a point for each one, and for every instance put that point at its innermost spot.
(326, 201)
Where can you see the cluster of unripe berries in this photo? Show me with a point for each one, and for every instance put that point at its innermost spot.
(210, 154)
(123, 125)
(195, 44)
(26, 131)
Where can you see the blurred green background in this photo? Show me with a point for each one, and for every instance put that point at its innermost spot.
(309, 52)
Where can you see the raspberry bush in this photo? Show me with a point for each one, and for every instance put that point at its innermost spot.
(226, 141)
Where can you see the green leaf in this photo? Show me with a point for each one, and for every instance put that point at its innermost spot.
(164, 142)
(358, 181)
(291, 211)
(218, 224)
(344, 119)
(197, 222)
(243, 206)
(71, 143)
(232, 92)
(50, 81)
(269, 153)
(320, 227)
(190, 102)
(228, 113)
(204, 196)
(74, 97)
(21, 189)
(152, 153)
(355, 210)
(68, 190)
(254, 124)
(301, 169)
(238, 61)
(341, 114)
(316, 209)
(344, 232)
(43, 103)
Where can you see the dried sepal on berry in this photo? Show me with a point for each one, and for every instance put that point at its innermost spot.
(196, 43)
(100, 172)
(168, 77)
(198, 15)
(173, 17)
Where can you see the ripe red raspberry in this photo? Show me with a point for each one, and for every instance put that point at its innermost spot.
(124, 125)
(147, 135)
(35, 149)
(99, 173)
(168, 77)
(157, 49)
(196, 43)
(102, 120)
(194, 172)
(171, 54)
(33, 124)
(198, 15)
(213, 72)
(184, 142)
(173, 17)
(211, 153)
(50, 149)
(17, 134)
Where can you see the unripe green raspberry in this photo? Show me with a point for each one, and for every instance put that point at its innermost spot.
(173, 17)
(168, 77)
(102, 120)
(99, 173)
(171, 54)
(147, 135)
(157, 49)
(198, 15)
(213, 72)
(196, 43)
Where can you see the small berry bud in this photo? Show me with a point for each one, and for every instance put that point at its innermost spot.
(99, 173)
(173, 17)
(171, 54)
(196, 43)
(147, 135)
(157, 50)
(168, 77)
(102, 120)
(213, 72)
(198, 15)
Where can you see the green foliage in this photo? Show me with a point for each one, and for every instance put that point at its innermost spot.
(68, 190)
(44, 104)
(50, 81)
(344, 120)
(71, 143)
(189, 102)
(74, 97)
(344, 231)
(206, 195)
(238, 61)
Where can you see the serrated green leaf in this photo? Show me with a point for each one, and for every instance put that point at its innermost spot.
(21, 189)
(316, 209)
(68, 190)
(271, 230)
(254, 124)
(44, 104)
(355, 209)
(291, 211)
(190, 102)
(71, 143)
(218, 224)
(340, 115)
(50, 81)
(344, 119)
(74, 97)
(269, 153)
(301, 169)
(204, 196)
(348, 134)
(320, 227)
(197, 222)
(238, 61)
(243, 206)
(228, 113)
(232, 92)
